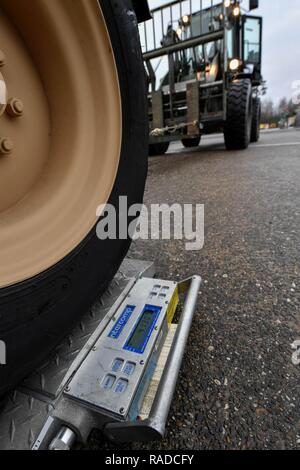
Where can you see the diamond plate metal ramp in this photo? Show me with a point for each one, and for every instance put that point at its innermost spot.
(22, 417)
(24, 412)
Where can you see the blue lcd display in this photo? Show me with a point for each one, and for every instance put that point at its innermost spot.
(139, 338)
(121, 322)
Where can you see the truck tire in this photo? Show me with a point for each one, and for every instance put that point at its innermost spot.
(255, 126)
(237, 129)
(158, 149)
(190, 143)
(52, 271)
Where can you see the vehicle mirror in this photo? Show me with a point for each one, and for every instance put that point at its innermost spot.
(253, 4)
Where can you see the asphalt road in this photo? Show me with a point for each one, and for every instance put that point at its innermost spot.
(238, 388)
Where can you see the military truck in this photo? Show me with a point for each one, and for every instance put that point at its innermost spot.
(204, 71)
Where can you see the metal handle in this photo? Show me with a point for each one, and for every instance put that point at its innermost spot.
(154, 426)
(64, 440)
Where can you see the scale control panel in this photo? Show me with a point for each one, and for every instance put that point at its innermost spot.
(115, 375)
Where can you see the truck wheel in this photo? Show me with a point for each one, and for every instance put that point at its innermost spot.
(255, 126)
(75, 136)
(158, 149)
(190, 143)
(237, 128)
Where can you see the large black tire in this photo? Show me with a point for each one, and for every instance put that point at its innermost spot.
(36, 314)
(256, 114)
(190, 143)
(237, 129)
(158, 149)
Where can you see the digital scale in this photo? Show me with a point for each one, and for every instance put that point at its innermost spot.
(116, 371)
(115, 376)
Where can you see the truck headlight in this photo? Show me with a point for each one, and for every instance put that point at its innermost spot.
(179, 33)
(236, 11)
(186, 20)
(234, 65)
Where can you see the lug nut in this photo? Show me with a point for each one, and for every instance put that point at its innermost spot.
(6, 146)
(15, 107)
(2, 58)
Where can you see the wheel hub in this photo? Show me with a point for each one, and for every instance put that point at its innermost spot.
(13, 107)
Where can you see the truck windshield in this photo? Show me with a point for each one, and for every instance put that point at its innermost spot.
(206, 21)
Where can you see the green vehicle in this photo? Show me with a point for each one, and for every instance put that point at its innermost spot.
(211, 78)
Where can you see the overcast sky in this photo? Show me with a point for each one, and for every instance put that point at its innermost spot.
(281, 51)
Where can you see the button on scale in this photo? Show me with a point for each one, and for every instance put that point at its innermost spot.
(121, 386)
(117, 365)
(129, 368)
(108, 382)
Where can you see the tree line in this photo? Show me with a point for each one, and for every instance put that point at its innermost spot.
(272, 114)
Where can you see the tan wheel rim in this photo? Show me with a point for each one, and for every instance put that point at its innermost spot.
(60, 130)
